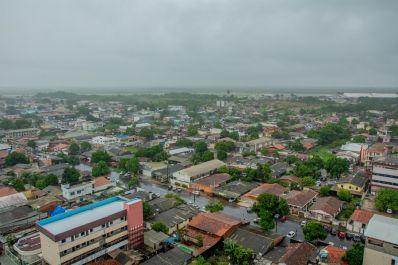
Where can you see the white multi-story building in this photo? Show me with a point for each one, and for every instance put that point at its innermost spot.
(384, 173)
(72, 192)
(104, 140)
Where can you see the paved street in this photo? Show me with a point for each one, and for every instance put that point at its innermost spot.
(229, 208)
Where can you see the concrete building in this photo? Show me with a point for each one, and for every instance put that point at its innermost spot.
(381, 241)
(384, 173)
(72, 192)
(185, 176)
(103, 140)
(21, 133)
(89, 232)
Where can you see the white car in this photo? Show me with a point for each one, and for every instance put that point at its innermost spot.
(197, 193)
(291, 234)
(303, 223)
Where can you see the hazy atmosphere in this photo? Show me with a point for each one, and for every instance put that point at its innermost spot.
(53, 44)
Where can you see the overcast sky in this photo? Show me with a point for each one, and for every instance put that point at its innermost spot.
(167, 43)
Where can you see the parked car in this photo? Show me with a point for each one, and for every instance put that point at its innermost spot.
(170, 187)
(349, 236)
(303, 223)
(291, 234)
(232, 200)
(327, 228)
(196, 192)
(389, 211)
(333, 231)
(179, 190)
(341, 234)
(357, 238)
(256, 220)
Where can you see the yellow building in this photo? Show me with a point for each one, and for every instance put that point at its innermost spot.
(356, 184)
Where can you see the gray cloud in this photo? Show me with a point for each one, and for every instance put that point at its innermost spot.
(166, 43)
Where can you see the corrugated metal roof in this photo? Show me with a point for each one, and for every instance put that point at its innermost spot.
(381, 228)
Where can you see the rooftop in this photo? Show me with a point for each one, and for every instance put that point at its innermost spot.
(362, 216)
(380, 228)
(71, 219)
(203, 167)
(300, 198)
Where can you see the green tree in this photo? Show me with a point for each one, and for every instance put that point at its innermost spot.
(18, 184)
(192, 131)
(267, 206)
(325, 190)
(160, 227)
(354, 256)
(41, 183)
(16, 158)
(133, 165)
(146, 133)
(133, 181)
(297, 146)
(344, 195)
(337, 166)
(184, 142)
(214, 206)
(386, 199)
(71, 175)
(373, 131)
(100, 155)
(307, 181)
(237, 254)
(74, 149)
(200, 147)
(200, 260)
(51, 179)
(85, 147)
(100, 169)
(222, 155)
(359, 139)
(148, 211)
(31, 144)
(226, 146)
(314, 231)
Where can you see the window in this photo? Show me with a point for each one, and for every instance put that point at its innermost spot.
(103, 226)
(79, 191)
(72, 193)
(91, 230)
(63, 241)
(82, 234)
(375, 242)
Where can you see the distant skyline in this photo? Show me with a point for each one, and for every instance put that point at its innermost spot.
(183, 45)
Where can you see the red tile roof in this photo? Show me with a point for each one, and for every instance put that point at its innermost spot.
(300, 198)
(362, 216)
(101, 181)
(217, 224)
(274, 188)
(5, 191)
(334, 255)
(208, 240)
(299, 254)
(329, 205)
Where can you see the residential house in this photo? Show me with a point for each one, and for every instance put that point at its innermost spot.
(102, 184)
(332, 255)
(256, 239)
(208, 184)
(369, 154)
(275, 189)
(174, 256)
(381, 241)
(186, 176)
(78, 190)
(279, 169)
(359, 221)
(325, 209)
(211, 228)
(292, 254)
(255, 145)
(357, 183)
(176, 218)
(299, 201)
(154, 240)
(235, 189)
